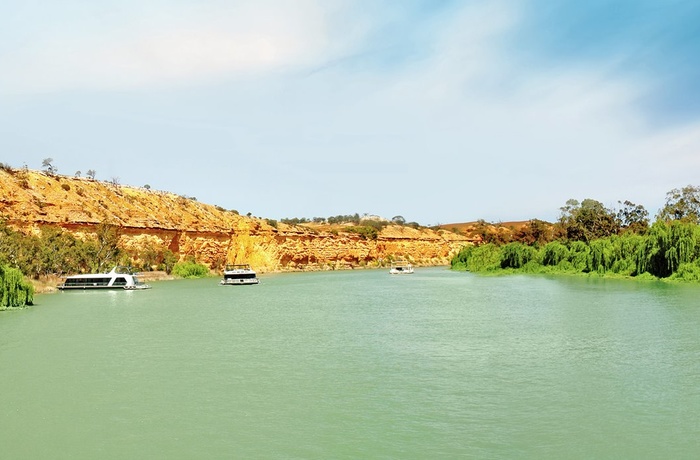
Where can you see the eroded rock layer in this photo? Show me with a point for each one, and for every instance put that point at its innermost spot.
(154, 221)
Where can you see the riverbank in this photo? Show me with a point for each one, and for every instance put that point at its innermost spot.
(553, 272)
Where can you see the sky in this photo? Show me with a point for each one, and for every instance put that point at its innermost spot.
(436, 111)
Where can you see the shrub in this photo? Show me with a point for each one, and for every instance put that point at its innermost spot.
(687, 272)
(190, 270)
(376, 224)
(169, 259)
(365, 231)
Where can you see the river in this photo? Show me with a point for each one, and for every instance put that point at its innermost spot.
(356, 364)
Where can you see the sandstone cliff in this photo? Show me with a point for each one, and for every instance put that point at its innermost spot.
(153, 220)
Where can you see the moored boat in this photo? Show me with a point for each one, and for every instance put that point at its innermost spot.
(118, 278)
(238, 275)
(401, 268)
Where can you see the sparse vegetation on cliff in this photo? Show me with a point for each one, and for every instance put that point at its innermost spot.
(355, 219)
(365, 231)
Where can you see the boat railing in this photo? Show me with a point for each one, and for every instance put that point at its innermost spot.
(232, 267)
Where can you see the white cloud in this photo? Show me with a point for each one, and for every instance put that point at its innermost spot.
(189, 45)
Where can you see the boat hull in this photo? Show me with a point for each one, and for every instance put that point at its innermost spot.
(401, 269)
(103, 288)
(239, 281)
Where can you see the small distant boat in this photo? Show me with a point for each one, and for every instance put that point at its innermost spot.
(239, 274)
(118, 278)
(401, 268)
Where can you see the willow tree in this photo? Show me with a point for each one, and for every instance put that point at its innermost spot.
(14, 290)
(667, 246)
(554, 253)
(516, 255)
(485, 257)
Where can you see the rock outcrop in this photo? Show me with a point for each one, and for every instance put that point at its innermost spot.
(154, 221)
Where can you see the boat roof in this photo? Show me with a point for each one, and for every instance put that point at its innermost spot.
(237, 267)
(118, 270)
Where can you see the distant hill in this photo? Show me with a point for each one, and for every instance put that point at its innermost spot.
(472, 230)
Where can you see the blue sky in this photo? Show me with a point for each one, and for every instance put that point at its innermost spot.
(438, 111)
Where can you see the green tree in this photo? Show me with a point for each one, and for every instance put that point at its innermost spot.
(20, 251)
(47, 164)
(682, 204)
(60, 252)
(104, 249)
(490, 233)
(169, 260)
(149, 258)
(535, 232)
(633, 217)
(587, 220)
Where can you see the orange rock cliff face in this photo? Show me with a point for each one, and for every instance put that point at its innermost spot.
(153, 220)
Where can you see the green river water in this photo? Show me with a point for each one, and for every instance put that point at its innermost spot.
(356, 364)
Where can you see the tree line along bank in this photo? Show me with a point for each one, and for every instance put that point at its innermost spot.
(589, 238)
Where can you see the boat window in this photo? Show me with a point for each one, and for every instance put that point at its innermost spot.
(121, 281)
(240, 276)
(87, 281)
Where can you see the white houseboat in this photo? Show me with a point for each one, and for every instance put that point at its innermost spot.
(401, 268)
(239, 274)
(118, 278)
